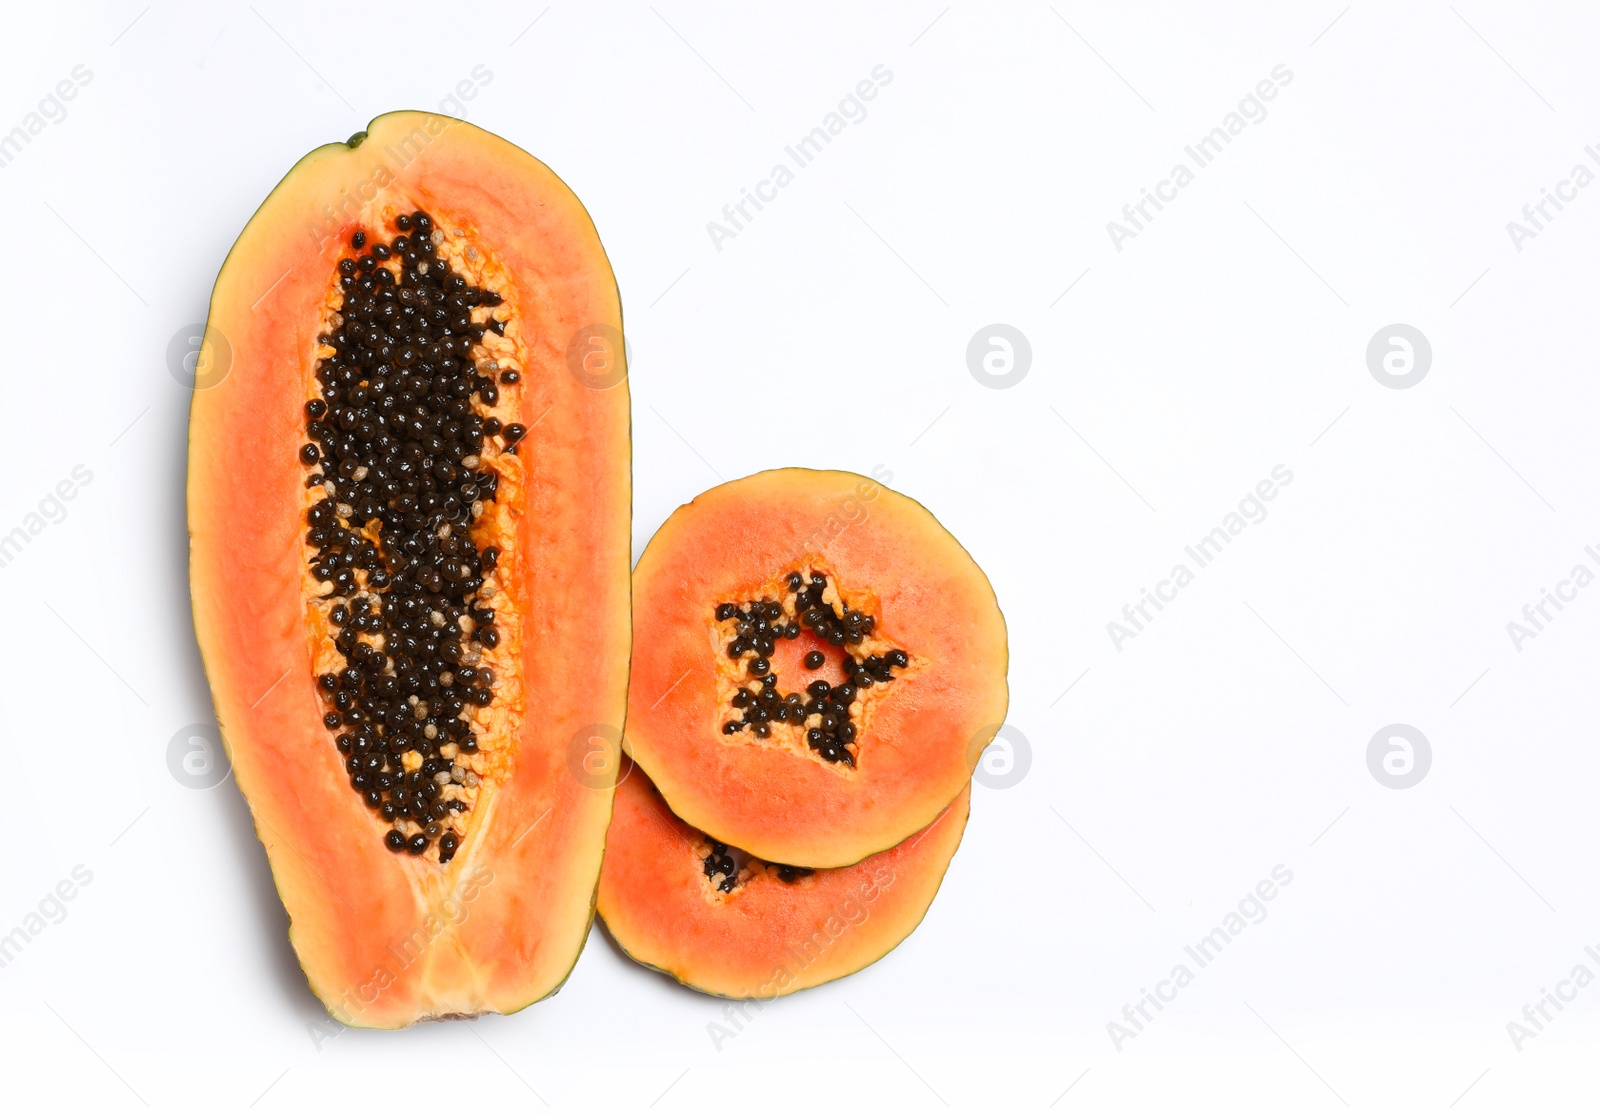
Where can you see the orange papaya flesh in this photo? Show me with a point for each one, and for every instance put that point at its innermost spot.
(409, 516)
(765, 930)
(752, 741)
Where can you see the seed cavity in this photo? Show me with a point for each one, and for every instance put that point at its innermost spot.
(720, 868)
(828, 713)
(399, 438)
(721, 865)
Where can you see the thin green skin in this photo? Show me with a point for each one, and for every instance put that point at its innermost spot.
(328, 150)
(1005, 679)
(681, 981)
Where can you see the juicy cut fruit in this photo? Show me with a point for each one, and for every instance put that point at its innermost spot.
(409, 518)
(728, 924)
(817, 666)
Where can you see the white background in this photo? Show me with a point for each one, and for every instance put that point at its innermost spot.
(1227, 337)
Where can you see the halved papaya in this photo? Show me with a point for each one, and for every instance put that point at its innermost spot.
(409, 519)
(817, 666)
(728, 924)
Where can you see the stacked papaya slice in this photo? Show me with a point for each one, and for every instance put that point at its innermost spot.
(817, 666)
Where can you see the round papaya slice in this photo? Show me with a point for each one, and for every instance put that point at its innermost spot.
(721, 921)
(817, 666)
(409, 519)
